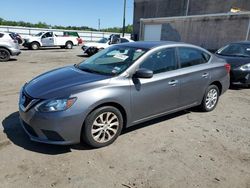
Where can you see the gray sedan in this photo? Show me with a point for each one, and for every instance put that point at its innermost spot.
(119, 87)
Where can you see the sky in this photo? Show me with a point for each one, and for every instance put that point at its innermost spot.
(68, 12)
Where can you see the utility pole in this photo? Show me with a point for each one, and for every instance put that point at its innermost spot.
(99, 24)
(124, 15)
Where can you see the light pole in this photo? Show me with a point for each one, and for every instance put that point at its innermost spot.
(187, 8)
(99, 24)
(124, 15)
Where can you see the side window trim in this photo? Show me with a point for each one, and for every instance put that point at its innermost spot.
(179, 61)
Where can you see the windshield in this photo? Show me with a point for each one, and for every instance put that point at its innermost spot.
(103, 40)
(112, 61)
(39, 34)
(241, 50)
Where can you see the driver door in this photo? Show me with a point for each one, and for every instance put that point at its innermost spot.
(160, 93)
(48, 39)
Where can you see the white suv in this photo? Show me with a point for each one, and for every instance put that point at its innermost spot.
(8, 46)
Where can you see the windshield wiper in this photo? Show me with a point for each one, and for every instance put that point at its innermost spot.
(92, 71)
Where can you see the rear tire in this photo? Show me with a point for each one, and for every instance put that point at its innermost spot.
(4, 55)
(210, 99)
(69, 45)
(102, 127)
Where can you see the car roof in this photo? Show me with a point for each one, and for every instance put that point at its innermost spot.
(149, 44)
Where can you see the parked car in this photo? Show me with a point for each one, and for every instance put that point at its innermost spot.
(17, 37)
(92, 48)
(238, 56)
(119, 87)
(49, 39)
(8, 46)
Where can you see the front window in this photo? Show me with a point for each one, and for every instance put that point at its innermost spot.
(242, 50)
(161, 61)
(39, 34)
(112, 61)
(47, 35)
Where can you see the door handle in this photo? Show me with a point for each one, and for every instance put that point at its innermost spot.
(173, 82)
(205, 75)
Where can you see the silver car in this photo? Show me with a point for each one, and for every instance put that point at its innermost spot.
(8, 46)
(119, 87)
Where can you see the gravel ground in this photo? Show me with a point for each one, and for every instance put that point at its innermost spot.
(182, 150)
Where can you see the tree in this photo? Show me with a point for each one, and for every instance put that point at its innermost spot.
(128, 28)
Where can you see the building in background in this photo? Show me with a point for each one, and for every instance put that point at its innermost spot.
(176, 19)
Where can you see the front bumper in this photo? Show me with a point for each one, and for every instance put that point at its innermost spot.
(26, 43)
(238, 75)
(60, 128)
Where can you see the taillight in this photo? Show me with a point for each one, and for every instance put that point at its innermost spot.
(228, 67)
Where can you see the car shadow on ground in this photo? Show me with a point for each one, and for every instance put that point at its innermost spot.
(156, 120)
(41, 49)
(83, 56)
(11, 59)
(239, 87)
(16, 134)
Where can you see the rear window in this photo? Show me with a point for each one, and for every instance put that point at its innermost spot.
(123, 40)
(1, 35)
(191, 56)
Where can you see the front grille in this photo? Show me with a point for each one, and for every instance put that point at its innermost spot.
(29, 129)
(27, 102)
(27, 99)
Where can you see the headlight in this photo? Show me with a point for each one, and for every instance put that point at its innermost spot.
(55, 105)
(245, 67)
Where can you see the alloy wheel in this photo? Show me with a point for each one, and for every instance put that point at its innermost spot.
(105, 127)
(211, 99)
(3, 55)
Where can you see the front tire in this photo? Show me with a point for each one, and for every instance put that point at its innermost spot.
(4, 55)
(102, 126)
(210, 99)
(34, 45)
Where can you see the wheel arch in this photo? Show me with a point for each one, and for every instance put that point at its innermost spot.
(116, 105)
(35, 41)
(113, 104)
(6, 49)
(218, 84)
(70, 42)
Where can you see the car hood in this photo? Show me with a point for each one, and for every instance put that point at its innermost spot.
(31, 38)
(235, 61)
(63, 82)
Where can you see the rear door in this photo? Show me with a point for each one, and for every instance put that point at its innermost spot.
(194, 75)
(159, 93)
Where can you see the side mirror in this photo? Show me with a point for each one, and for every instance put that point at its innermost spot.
(143, 73)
